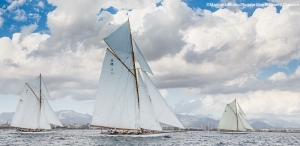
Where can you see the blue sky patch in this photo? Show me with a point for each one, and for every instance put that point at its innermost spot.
(288, 69)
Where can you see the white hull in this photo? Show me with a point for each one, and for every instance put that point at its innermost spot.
(142, 135)
(41, 132)
(234, 132)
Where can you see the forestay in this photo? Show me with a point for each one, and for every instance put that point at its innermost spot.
(141, 59)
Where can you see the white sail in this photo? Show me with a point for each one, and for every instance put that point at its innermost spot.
(50, 114)
(116, 101)
(43, 123)
(31, 112)
(245, 123)
(26, 114)
(147, 116)
(163, 112)
(228, 120)
(141, 59)
(122, 100)
(240, 110)
(119, 41)
(233, 118)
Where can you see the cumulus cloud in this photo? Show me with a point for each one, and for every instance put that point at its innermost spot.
(20, 15)
(213, 53)
(26, 30)
(15, 3)
(41, 4)
(1, 21)
(297, 72)
(278, 76)
(255, 104)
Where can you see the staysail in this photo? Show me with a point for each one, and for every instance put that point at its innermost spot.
(33, 110)
(147, 115)
(141, 59)
(233, 118)
(124, 99)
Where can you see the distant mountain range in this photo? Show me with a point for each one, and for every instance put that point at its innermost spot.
(65, 116)
(196, 121)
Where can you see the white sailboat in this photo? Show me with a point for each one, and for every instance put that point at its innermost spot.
(33, 113)
(127, 99)
(233, 120)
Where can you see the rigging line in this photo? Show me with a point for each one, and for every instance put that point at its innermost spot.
(124, 99)
(241, 110)
(118, 100)
(235, 115)
(113, 52)
(45, 87)
(114, 105)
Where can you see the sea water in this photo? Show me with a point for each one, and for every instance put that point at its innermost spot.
(92, 137)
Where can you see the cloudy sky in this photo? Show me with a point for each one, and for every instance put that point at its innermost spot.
(204, 54)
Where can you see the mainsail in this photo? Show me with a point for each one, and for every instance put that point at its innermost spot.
(125, 99)
(33, 110)
(233, 118)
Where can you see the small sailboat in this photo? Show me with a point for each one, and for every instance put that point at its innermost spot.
(33, 113)
(233, 120)
(128, 102)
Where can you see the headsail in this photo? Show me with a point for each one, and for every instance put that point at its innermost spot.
(141, 59)
(163, 112)
(147, 115)
(233, 118)
(31, 112)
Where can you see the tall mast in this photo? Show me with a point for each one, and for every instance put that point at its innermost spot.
(237, 118)
(40, 91)
(135, 76)
(39, 115)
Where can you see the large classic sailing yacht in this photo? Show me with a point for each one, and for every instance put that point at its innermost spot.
(33, 113)
(127, 99)
(233, 119)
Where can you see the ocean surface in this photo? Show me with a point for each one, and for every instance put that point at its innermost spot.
(91, 137)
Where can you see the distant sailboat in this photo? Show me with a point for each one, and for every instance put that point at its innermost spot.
(127, 98)
(33, 113)
(233, 119)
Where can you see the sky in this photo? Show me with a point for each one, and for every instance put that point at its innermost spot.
(204, 54)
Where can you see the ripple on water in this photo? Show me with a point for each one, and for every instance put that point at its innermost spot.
(91, 137)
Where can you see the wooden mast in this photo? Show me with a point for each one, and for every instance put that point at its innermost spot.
(135, 77)
(40, 101)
